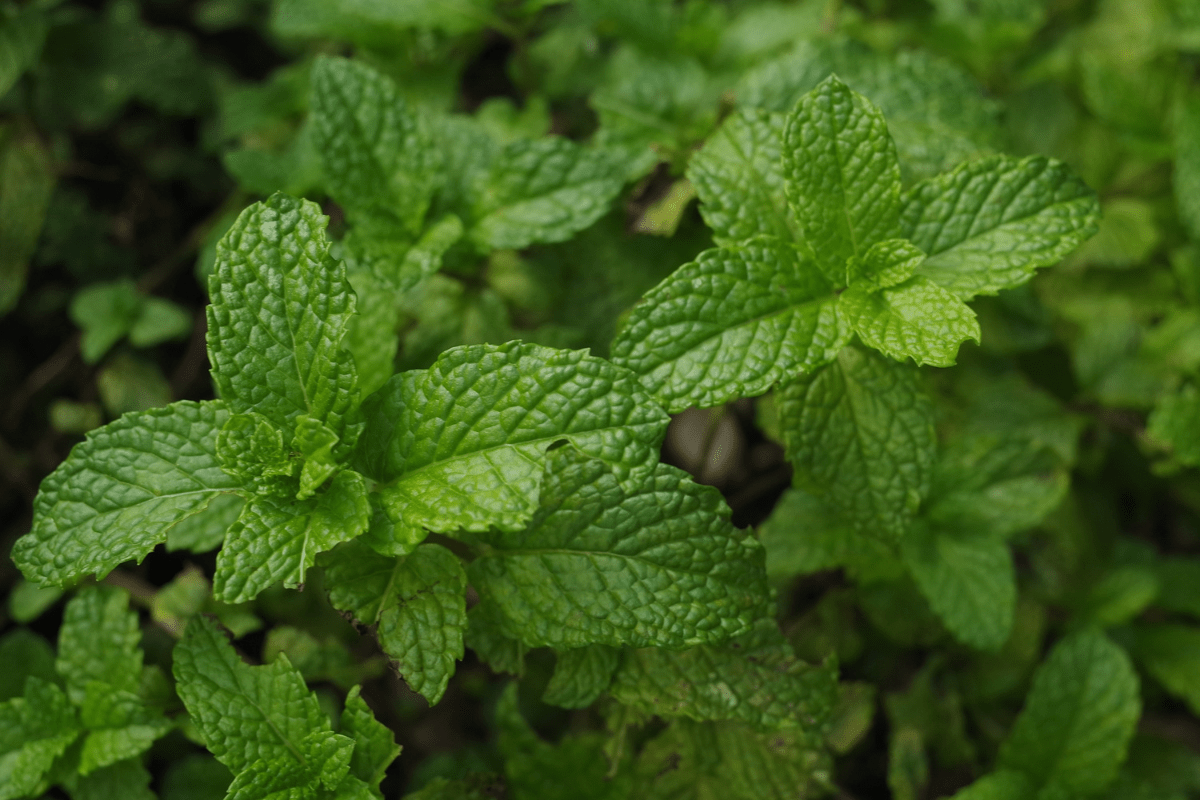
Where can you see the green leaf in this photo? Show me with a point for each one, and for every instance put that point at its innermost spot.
(969, 580)
(988, 224)
(276, 540)
(22, 32)
(250, 448)
(884, 265)
(1080, 714)
(27, 655)
(542, 190)
(841, 174)
(379, 162)
(653, 562)
(416, 603)
(26, 182)
(1170, 653)
(34, 731)
(322, 761)
(732, 323)
(1175, 423)
(739, 180)
(695, 761)
(755, 678)
(27, 601)
(371, 336)
(105, 312)
(119, 726)
(205, 531)
(366, 22)
(1186, 177)
(119, 492)
(315, 443)
(125, 780)
(99, 641)
(581, 675)
(280, 305)
(375, 747)
(485, 635)
(860, 434)
(536, 769)
(917, 319)
(246, 715)
(459, 446)
(1001, 785)
(159, 321)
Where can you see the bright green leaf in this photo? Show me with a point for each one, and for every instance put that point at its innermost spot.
(988, 224)
(916, 319)
(1175, 422)
(119, 492)
(321, 760)
(581, 675)
(1002, 785)
(653, 562)
(280, 305)
(841, 174)
(459, 446)
(375, 747)
(860, 434)
(34, 730)
(99, 641)
(276, 540)
(416, 604)
(732, 323)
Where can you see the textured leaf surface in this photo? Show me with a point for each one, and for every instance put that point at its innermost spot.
(755, 678)
(653, 563)
(119, 492)
(375, 747)
(416, 603)
(99, 641)
(1079, 716)
(806, 534)
(860, 434)
(731, 323)
(988, 224)
(276, 539)
(321, 760)
(968, 579)
(696, 761)
(885, 264)
(205, 530)
(542, 190)
(739, 179)
(460, 445)
(378, 161)
(371, 336)
(917, 319)
(34, 730)
(245, 714)
(280, 305)
(581, 675)
(119, 726)
(842, 175)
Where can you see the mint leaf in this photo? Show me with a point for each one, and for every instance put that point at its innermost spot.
(860, 434)
(119, 726)
(125, 780)
(200, 533)
(245, 714)
(731, 323)
(280, 305)
(27, 655)
(374, 746)
(276, 540)
(1080, 714)
(535, 768)
(459, 446)
(739, 180)
(371, 336)
(696, 760)
(916, 319)
(99, 642)
(378, 160)
(754, 678)
(1170, 653)
(34, 730)
(1186, 177)
(542, 190)
(1173, 423)
(415, 602)
(841, 174)
(485, 635)
(321, 761)
(119, 492)
(805, 534)
(609, 563)
(884, 265)
(969, 580)
(988, 224)
(581, 675)
(1002, 785)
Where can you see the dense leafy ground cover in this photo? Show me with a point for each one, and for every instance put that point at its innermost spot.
(616, 398)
